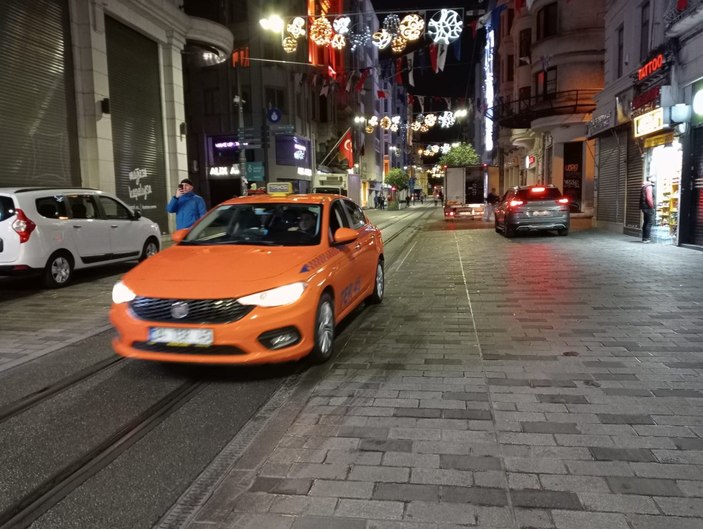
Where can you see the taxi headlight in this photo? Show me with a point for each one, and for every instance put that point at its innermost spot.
(275, 297)
(121, 293)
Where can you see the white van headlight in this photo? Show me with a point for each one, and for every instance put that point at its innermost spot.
(121, 293)
(275, 297)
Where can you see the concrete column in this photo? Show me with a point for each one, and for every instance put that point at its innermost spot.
(174, 109)
(91, 87)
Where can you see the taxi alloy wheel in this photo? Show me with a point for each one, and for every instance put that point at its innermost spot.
(324, 330)
(379, 285)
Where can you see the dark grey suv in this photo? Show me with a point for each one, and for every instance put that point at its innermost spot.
(532, 208)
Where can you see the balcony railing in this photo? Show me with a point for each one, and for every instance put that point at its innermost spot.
(680, 18)
(519, 113)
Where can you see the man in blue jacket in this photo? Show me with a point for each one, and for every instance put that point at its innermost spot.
(187, 206)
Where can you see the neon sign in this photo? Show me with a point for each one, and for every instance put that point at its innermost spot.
(650, 67)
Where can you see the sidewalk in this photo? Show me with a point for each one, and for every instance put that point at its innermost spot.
(527, 383)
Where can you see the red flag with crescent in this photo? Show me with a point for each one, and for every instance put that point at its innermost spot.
(346, 148)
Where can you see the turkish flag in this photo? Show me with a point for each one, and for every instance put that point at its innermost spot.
(346, 150)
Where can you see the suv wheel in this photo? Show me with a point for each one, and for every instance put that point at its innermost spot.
(151, 247)
(565, 231)
(508, 230)
(59, 270)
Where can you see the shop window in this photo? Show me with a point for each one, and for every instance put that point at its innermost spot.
(525, 46)
(546, 83)
(211, 105)
(547, 21)
(275, 98)
(644, 31)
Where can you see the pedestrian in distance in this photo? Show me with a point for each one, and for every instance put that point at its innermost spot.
(187, 206)
(491, 201)
(407, 201)
(647, 206)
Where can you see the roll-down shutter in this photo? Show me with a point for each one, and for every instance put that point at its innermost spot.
(697, 191)
(38, 139)
(137, 126)
(610, 175)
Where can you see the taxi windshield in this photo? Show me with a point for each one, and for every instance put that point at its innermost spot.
(259, 224)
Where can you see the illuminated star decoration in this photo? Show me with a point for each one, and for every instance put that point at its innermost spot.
(445, 27)
(446, 119)
(391, 24)
(341, 25)
(360, 38)
(411, 27)
(381, 39)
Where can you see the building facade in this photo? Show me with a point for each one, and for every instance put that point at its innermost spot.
(105, 108)
(547, 69)
(645, 123)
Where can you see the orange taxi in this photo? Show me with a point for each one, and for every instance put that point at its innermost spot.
(259, 279)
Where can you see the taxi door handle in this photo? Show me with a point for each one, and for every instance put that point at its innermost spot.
(114, 226)
(358, 245)
(77, 226)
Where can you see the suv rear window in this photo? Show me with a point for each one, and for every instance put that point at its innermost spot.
(7, 208)
(51, 207)
(549, 193)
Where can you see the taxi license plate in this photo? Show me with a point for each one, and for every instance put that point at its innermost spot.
(175, 336)
(541, 214)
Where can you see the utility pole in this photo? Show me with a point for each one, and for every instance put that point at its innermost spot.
(240, 124)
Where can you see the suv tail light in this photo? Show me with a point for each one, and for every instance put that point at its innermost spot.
(515, 203)
(563, 200)
(23, 226)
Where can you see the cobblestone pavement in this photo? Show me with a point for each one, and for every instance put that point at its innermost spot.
(537, 382)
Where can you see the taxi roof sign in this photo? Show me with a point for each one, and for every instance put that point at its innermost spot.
(279, 188)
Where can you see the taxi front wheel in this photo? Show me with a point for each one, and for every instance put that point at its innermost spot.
(379, 286)
(324, 330)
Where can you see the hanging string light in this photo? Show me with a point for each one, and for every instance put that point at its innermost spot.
(444, 27)
(321, 31)
(381, 39)
(411, 27)
(398, 44)
(341, 25)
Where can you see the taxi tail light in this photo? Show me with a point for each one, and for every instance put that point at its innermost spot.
(563, 200)
(516, 203)
(23, 226)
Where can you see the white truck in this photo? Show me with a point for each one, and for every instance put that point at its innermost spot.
(464, 192)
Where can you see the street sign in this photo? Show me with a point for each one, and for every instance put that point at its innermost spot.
(283, 129)
(255, 171)
(274, 115)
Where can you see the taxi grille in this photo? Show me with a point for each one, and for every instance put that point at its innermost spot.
(197, 310)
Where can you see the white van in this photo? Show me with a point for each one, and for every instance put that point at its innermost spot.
(54, 231)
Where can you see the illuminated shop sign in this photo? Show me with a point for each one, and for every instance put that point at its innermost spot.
(292, 150)
(697, 104)
(231, 170)
(651, 66)
(488, 88)
(649, 122)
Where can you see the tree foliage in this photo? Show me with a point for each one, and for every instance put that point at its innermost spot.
(398, 178)
(462, 154)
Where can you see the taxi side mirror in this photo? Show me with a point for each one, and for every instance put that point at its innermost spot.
(178, 235)
(345, 235)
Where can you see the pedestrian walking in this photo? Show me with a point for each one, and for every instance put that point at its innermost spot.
(647, 195)
(491, 201)
(407, 201)
(187, 206)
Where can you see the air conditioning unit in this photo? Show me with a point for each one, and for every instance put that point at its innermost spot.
(333, 180)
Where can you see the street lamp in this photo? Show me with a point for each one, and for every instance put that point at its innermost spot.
(272, 23)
